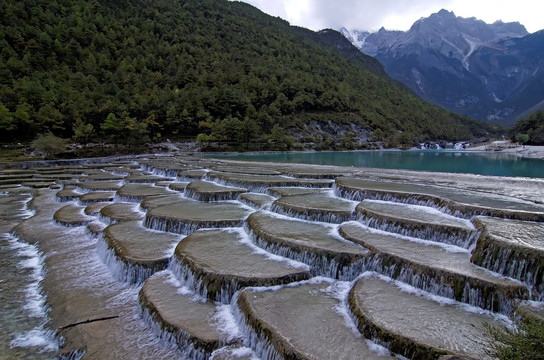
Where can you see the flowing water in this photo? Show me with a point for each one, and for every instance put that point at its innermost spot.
(23, 312)
(188, 258)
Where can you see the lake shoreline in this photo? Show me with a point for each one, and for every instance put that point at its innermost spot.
(191, 148)
(492, 163)
(524, 151)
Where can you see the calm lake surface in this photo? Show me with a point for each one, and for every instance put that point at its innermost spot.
(483, 163)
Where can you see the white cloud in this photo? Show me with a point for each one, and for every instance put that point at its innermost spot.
(398, 14)
(527, 12)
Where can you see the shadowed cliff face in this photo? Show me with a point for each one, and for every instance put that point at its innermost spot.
(492, 72)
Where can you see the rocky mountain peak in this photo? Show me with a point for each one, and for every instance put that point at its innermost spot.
(447, 27)
(464, 64)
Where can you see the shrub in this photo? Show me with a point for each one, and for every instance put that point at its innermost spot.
(524, 343)
(522, 138)
(49, 145)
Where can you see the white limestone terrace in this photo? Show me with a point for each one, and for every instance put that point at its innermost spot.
(205, 258)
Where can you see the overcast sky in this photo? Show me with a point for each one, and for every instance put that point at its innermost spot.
(398, 14)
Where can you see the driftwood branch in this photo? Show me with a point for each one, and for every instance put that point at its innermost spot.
(87, 321)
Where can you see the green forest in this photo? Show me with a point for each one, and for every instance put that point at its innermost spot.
(144, 70)
(529, 130)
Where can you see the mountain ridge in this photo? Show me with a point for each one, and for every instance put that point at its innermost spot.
(452, 62)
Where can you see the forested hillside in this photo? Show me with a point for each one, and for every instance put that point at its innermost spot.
(137, 70)
(529, 130)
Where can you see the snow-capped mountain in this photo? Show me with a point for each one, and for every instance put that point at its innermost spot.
(492, 72)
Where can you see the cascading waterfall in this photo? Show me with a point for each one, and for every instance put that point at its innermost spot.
(460, 289)
(461, 238)
(195, 195)
(257, 341)
(67, 198)
(106, 219)
(323, 265)
(310, 215)
(344, 262)
(439, 204)
(72, 355)
(130, 273)
(186, 278)
(25, 325)
(179, 227)
(255, 206)
(367, 194)
(167, 173)
(219, 288)
(508, 261)
(253, 187)
(128, 198)
(172, 337)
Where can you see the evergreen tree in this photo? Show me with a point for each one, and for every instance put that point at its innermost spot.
(163, 67)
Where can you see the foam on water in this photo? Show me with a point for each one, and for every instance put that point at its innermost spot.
(239, 203)
(239, 352)
(316, 280)
(141, 225)
(243, 351)
(30, 334)
(245, 239)
(191, 178)
(335, 233)
(35, 301)
(38, 337)
(340, 291)
(27, 212)
(138, 209)
(170, 252)
(181, 289)
(536, 304)
(379, 349)
(334, 195)
(226, 323)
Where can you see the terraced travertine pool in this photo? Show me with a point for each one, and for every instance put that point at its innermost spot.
(170, 257)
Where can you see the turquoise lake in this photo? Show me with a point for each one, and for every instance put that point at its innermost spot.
(482, 163)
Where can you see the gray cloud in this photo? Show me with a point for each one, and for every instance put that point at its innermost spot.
(359, 14)
(397, 14)
(372, 14)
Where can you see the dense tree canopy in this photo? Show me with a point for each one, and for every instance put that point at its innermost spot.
(145, 69)
(529, 130)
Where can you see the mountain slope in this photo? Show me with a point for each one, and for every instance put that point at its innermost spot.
(132, 70)
(491, 72)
